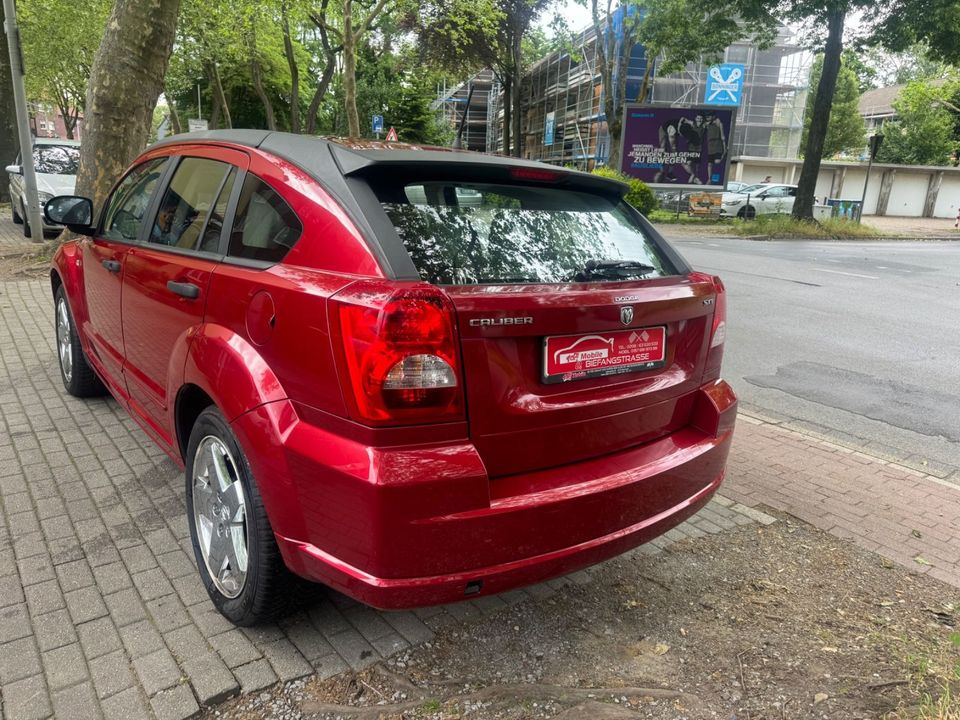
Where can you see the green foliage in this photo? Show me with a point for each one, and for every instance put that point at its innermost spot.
(787, 228)
(925, 131)
(639, 195)
(59, 39)
(846, 131)
(414, 119)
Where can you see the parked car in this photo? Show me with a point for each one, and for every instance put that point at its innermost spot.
(760, 199)
(55, 162)
(735, 186)
(378, 386)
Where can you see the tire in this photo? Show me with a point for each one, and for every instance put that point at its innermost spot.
(17, 220)
(227, 520)
(78, 377)
(749, 212)
(26, 223)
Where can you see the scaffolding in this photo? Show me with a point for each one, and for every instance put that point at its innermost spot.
(452, 103)
(568, 85)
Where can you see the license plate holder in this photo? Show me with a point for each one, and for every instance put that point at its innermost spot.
(575, 357)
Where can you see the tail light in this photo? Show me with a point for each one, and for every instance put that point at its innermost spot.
(718, 333)
(400, 353)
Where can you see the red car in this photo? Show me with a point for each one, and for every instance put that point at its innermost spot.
(415, 375)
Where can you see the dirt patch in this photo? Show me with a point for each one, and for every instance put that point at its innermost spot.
(27, 264)
(763, 622)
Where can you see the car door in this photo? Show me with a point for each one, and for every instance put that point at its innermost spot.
(16, 188)
(103, 260)
(167, 277)
(773, 200)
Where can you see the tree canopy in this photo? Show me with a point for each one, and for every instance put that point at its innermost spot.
(846, 132)
(926, 132)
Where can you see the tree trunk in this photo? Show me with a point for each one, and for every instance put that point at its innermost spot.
(63, 105)
(294, 71)
(125, 82)
(9, 142)
(214, 123)
(220, 98)
(258, 78)
(321, 90)
(517, 62)
(615, 121)
(174, 118)
(819, 121)
(350, 71)
(645, 85)
(507, 120)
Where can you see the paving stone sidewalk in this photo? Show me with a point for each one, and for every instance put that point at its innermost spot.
(102, 613)
(906, 516)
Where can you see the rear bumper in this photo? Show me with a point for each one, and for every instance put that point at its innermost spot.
(366, 525)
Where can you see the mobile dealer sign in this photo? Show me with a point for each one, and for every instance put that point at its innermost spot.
(677, 147)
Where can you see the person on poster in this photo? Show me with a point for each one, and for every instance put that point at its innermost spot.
(716, 148)
(694, 133)
(668, 144)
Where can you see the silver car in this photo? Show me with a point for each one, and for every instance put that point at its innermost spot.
(55, 162)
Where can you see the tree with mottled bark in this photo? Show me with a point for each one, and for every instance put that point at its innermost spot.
(125, 82)
(9, 143)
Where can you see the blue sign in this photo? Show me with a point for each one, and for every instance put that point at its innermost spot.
(378, 123)
(549, 124)
(724, 84)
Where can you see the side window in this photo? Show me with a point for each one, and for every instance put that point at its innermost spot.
(777, 192)
(187, 202)
(211, 233)
(265, 228)
(129, 202)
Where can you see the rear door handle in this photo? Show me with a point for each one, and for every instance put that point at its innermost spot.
(112, 265)
(187, 290)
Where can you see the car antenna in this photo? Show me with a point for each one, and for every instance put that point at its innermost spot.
(458, 140)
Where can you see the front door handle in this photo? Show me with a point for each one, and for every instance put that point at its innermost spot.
(112, 265)
(187, 290)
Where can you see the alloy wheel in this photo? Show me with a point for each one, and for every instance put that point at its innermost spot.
(220, 515)
(64, 341)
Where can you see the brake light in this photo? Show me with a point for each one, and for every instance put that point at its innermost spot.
(718, 333)
(526, 173)
(401, 357)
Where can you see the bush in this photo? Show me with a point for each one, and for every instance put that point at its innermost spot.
(639, 195)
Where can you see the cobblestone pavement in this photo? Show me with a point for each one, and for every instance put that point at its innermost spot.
(906, 516)
(102, 613)
(11, 235)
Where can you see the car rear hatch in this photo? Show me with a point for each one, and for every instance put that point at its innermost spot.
(581, 331)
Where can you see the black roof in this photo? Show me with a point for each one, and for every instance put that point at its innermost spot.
(353, 156)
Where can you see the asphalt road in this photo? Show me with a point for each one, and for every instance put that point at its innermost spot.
(859, 341)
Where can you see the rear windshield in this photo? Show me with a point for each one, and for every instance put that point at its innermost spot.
(56, 159)
(468, 234)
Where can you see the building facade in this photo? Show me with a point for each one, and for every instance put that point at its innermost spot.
(562, 98)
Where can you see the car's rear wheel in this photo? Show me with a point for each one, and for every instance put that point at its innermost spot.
(233, 543)
(78, 377)
(17, 220)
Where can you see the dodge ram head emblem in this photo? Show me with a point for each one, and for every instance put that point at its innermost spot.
(626, 314)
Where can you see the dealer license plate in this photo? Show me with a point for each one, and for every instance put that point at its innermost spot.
(574, 357)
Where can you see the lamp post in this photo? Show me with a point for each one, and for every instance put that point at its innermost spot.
(23, 121)
(875, 142)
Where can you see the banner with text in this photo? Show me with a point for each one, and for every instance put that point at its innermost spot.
(677, 147)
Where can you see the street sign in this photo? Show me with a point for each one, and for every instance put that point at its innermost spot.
(195, 125)
(549, 125)
(724, 84)
(378, 123)
(391, 135)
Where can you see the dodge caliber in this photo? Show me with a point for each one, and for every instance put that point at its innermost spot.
(412, 374)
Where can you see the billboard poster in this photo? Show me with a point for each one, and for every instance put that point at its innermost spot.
(677, 147)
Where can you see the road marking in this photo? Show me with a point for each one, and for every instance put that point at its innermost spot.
(881, 267)
(840, 272)
(713, 244)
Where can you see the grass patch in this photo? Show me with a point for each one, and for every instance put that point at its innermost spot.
(785, 227)
(665, 216)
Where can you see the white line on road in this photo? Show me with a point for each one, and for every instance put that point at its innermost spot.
(840, 272)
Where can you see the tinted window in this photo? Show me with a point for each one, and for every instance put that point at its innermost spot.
(214, 228)
(461, 234)
(129, 202)
(56, 159)
(186, 204)
(265, 228)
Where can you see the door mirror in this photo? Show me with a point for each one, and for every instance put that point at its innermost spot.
(15, 169)
(74, 212)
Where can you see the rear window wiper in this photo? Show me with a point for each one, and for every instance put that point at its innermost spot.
(612, 269)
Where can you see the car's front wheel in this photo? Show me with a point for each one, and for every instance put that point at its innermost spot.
(78, 377)
(749, 212)
(26, 223)
(233, 543)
